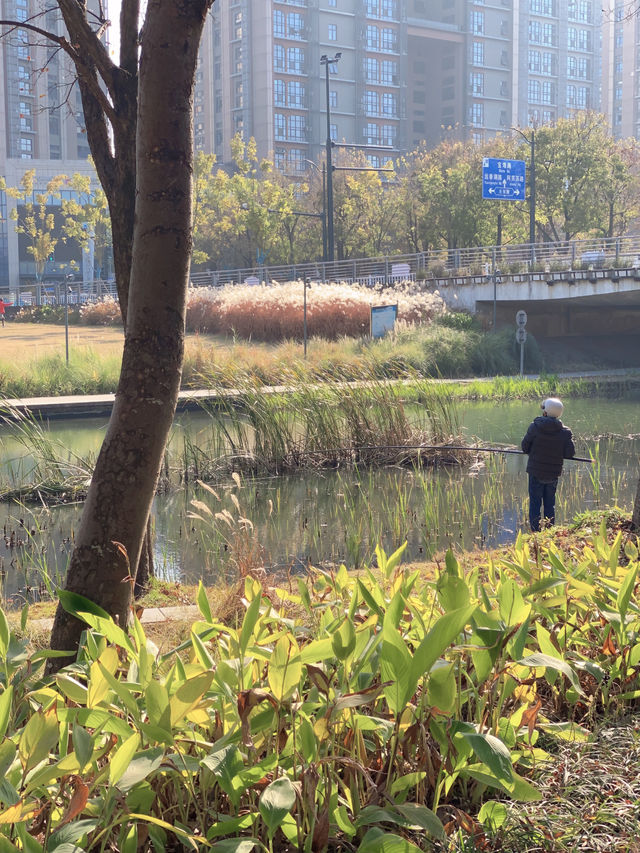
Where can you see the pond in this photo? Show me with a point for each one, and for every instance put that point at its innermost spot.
(331, 516)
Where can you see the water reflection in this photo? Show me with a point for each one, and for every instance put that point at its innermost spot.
(338, 515)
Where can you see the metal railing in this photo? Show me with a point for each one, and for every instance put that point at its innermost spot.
(437, 267)
(443, 264)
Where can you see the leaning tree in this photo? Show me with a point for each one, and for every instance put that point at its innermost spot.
(138, 116)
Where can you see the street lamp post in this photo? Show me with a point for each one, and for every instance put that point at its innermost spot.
(324, 206)
(532, 188)
(67, 288)
(327, 61)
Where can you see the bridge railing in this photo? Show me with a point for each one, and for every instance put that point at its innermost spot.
(442, 263)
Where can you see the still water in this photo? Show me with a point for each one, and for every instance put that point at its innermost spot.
(334, 516)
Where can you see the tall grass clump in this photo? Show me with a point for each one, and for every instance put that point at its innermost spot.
(276, 312)
(103, 312)
(88, 372)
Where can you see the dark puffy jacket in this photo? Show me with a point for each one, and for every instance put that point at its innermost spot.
(548, 443)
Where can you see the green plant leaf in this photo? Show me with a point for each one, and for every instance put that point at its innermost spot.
(285, 668)
(441, 688)
(276, 801)
(386, 842)
(395, 669)
(538, 659)
(203, 603)
(83, 745)
(5, 635)
(188, 695)
(122, 757)
(344, 640)
(236, 845)
(249, 623)
(6, 698)
(492, 815)
(492, 752)
(439, 638)
(140, 767)
(38, 737)
(225, 764)
(626, 590)
(512, 607)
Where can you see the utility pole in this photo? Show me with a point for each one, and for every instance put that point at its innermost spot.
(327, 61)
(532, 188)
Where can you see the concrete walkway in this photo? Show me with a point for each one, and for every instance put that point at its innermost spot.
(96, 405)
(150, 616)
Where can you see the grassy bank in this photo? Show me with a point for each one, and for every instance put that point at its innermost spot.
(465, 705)
(32, 361)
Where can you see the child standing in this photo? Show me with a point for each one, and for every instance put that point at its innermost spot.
(548, 443)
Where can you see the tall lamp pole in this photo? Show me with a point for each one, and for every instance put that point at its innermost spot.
(532, 188)
(327, 61)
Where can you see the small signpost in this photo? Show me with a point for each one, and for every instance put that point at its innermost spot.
(504, 180)
(521, 335)
(383, 319)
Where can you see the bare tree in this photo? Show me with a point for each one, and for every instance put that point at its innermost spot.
(138, 116)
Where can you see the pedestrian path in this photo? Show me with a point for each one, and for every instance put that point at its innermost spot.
(96, 405)
(150, 616)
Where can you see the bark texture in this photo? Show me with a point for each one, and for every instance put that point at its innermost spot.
(117, 508)
(635, 518)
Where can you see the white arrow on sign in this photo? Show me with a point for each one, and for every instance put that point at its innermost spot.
(521, 335)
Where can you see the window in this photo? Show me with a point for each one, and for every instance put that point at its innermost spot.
(278, 158)
(535, 61)
(371, 70)
(333, 99)
(26, 122)
(476, 22)
(371, 134)
(548, 116)
(296, 160)
(535, 32)
(372, 38)
(533, 91)
(278, 93)
(26, 148)
(583, 100)
(548, 63)
(584, 40)
(295, 25)
(295, 92)
(476, 114)
(388, 40)
(389, 104)
(571, 95)
(278, 23)
(333, 3)
(280, 125)
(549, 34)
(572, 66)
(295, 60)
(389, 72)
(371, 104)
(477, 53)
(332, 32)
(548, 93)
(476, 83)
(388, 9)
(572, 37)
(297, 127)
(389, 134)
(333, 132)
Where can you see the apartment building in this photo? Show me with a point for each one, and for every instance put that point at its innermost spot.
(41, 125)
(410, 71)
(621, 68)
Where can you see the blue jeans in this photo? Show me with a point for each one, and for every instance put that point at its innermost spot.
(539, 494)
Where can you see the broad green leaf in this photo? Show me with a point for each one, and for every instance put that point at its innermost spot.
(71, 832)
(492, 815)
(442, 690)
(77, 604)
(202, 653)
(8, 751)
(83, 745)
(108, 628)
(285, 668)
(317, 651)
(401, 784)
(225, 764)
(71, 688)
(122, 757)
(566, 731)
(227, 825)
(445, 630)
(38, 737)
(395, 669)
(276, 802)
(6, 698)
(386, 842)
(188, 696)
(512, 607)
(453, 592)
(626, 590)
(140, 767)
(236, 845)
(203, 603)
(249, 623)
(344, 640)
(5, 635)
(158, 709)
(538, 659)
(492, 752)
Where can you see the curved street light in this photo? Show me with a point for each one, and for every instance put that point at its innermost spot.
(327, 61)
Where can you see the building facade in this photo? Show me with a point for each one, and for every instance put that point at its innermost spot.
(41, 124)
(409, 72)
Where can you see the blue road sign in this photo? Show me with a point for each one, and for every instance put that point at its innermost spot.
(503, 179)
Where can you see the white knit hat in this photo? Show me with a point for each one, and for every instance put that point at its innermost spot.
(552, 407)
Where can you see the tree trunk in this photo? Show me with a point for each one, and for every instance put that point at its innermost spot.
(117, 508)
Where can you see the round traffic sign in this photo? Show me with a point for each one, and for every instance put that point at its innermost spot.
(521, 335)
(521, 318)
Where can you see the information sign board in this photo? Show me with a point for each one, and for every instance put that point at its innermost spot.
(383, 319)
(503, 179)
(521, 318)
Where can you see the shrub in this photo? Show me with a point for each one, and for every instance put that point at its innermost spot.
(276, 312)
(105, 312)
(46, 314)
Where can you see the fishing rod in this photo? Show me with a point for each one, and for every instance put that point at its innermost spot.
(459, 447)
